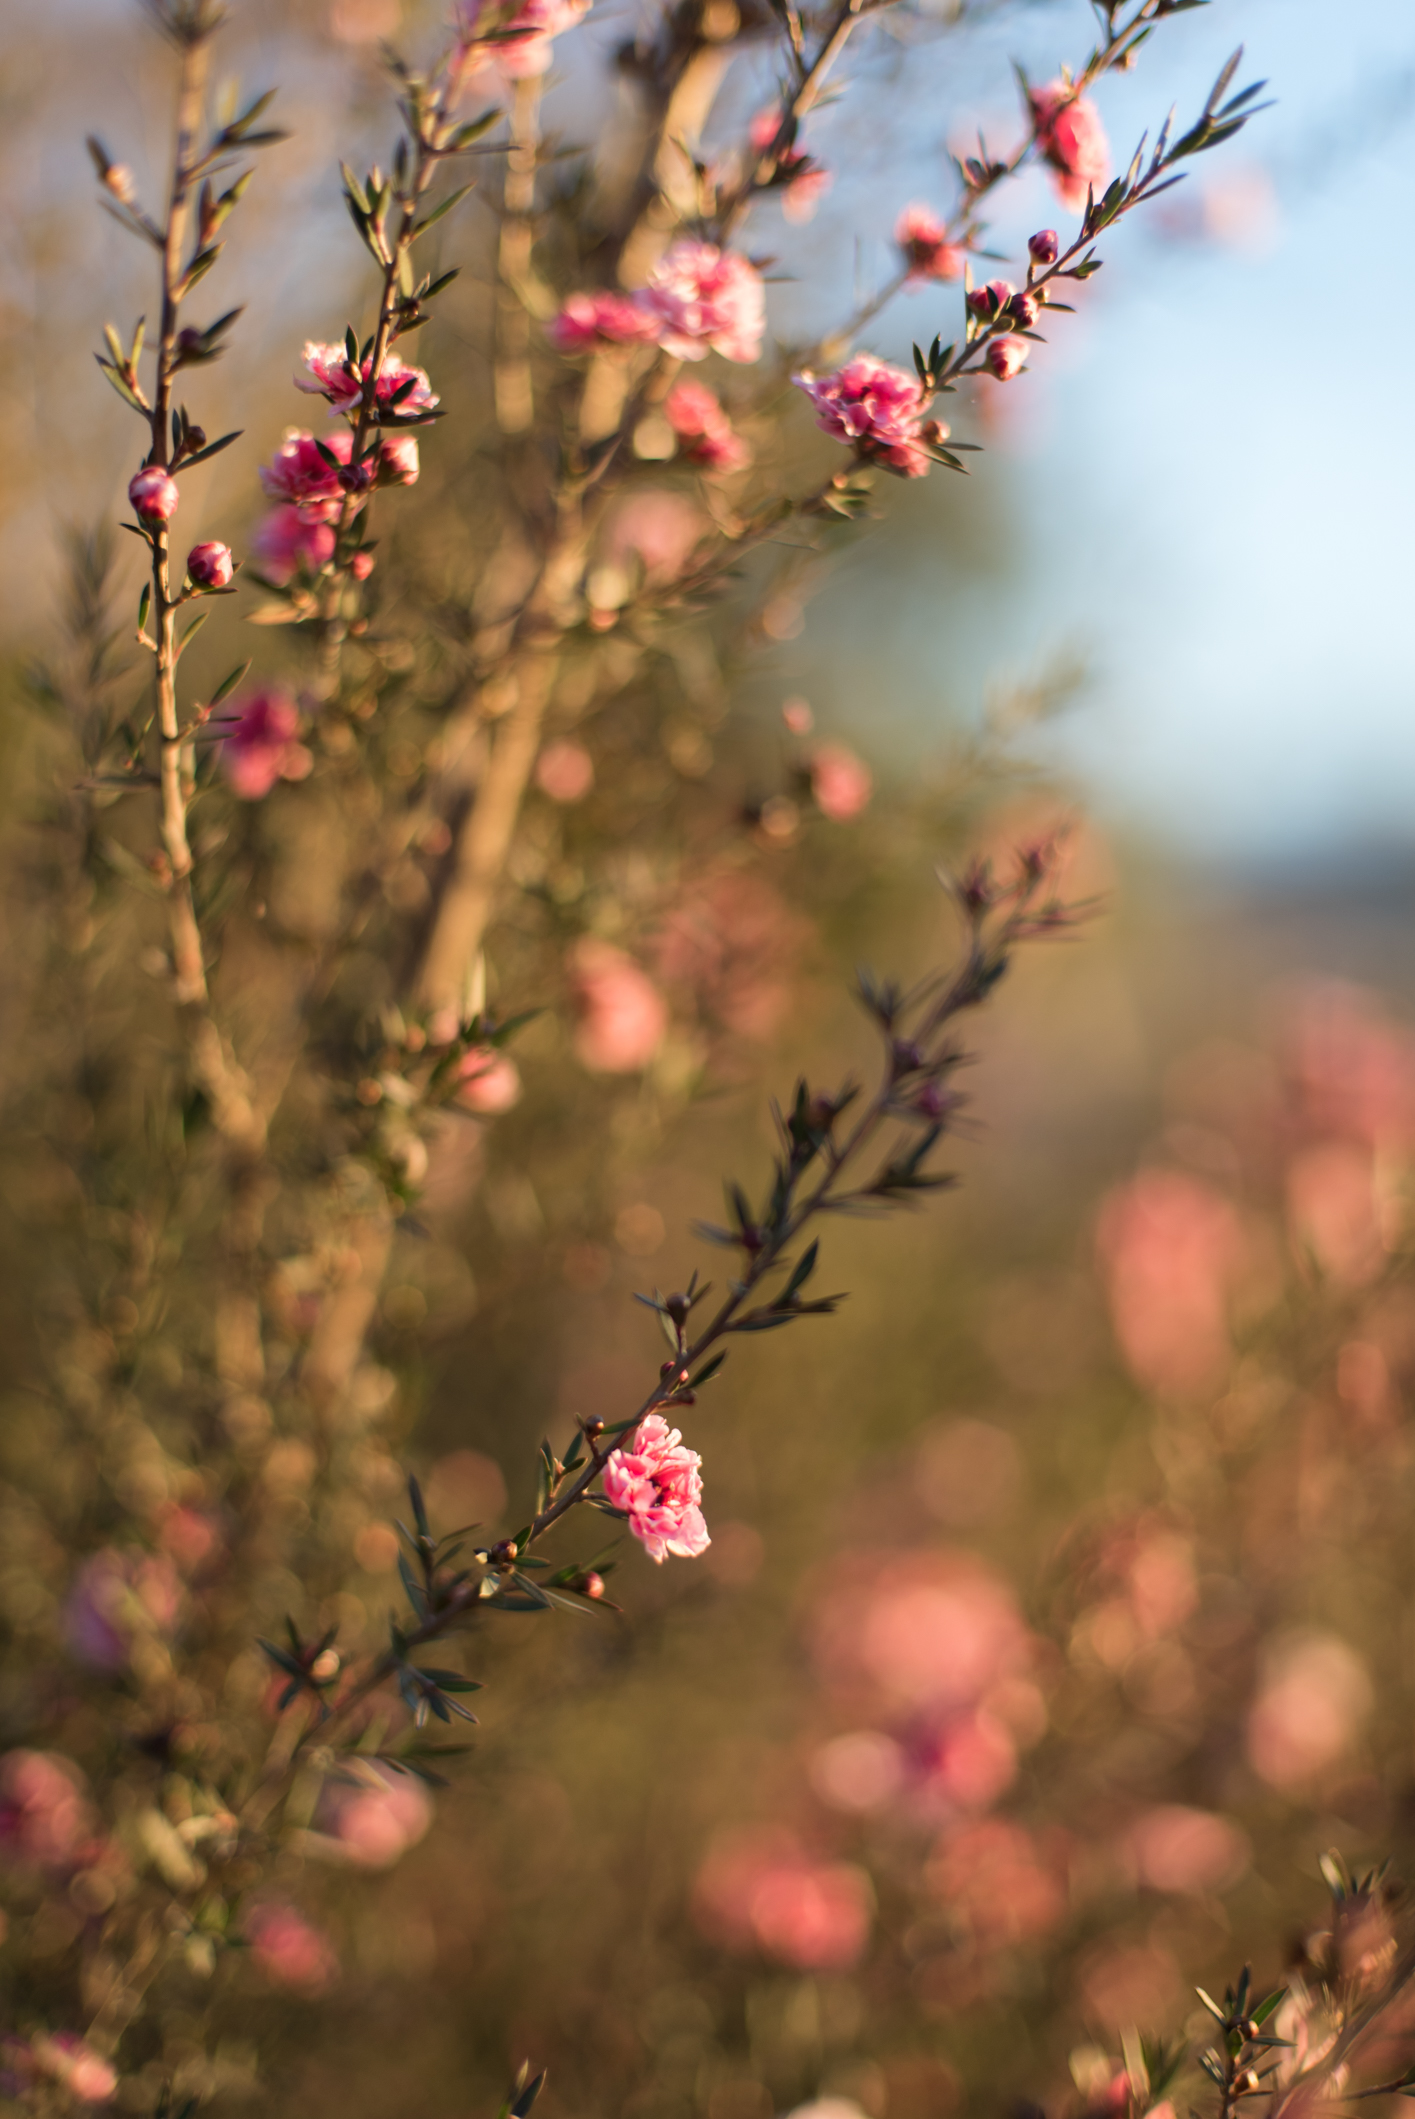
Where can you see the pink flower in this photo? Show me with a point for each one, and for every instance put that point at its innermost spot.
(84, 2073)
(589, 321)
(285, 544)
(923, 238)
(802, 181)
(1314, 1695)
(44, 1815)
(489, 1081)
(565, 771)
(261, 748)
(527, 52)
(153, 494)
(1072, 139)
(1172, 1848)
(210, 565)
(657, 1483)
(1006, 356)
(759, 1889)
(1171, 1249)
(398, 460)
(840, 782)
(1334, 1211)
(332, 376)
(376, 1820)
(931, 1635)
(301, 476)
(704, 430)
(622, 1015)
(878, 408)
(996, 1882)
(659, 529)
(289, 1951)
(707, 300)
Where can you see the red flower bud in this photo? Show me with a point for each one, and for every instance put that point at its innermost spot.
(1023, 310)
(154, 495)
(1043, 247)
(210, 565)
(362, 565)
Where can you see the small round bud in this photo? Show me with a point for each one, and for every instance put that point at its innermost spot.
(154, 495)
(1043, 248)
(1023, 310)
(398, 460)
(210, 566)
(594, 1429)
(119, 179)
(677, 1307)
(190, 340)
(906, 1056)
(362, 565)
(591, 1585)
(325, 1666)
(503, 1554)
(369, 1091)
(936, 431)
(1006, 357)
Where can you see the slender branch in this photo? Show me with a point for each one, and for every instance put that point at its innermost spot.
(515, 403)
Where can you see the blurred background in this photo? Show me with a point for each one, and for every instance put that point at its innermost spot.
(1058, 1611)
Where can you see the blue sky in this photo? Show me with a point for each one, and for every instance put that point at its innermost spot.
(1208, 494)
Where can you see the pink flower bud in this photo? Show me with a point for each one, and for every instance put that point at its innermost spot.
(990, 300)
(74, 2063)
(1006, 356)
(210, 565)
(1043, 247)
(1023, 309)
(398, 460)
(362, 565)
(154, 495)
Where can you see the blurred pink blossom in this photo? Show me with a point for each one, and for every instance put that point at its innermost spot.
(45, 1816)
(705, 433)
(806, 183)
(1171, 1249)
(963, 1762)
(841, 783)
(622, 1016)
(115, 1597)
(877, 408)
(1312, 1699)
(927, 1633)
(261, 748)
(758, 1888)
(995, 1879)
(1353, 1070)
(565, 771)
(376, 1819)
(528, 30)
(659, 529)
(708, 301)
(1072, 139)
(289, 1950)
(732, 941)
(588, 321)
(923, 238)
(285, 544)
(657, 1481)
(70, 2060)
(488, 1081)
(1334, 1213)
(861, 1771)
(1173, 1848)
(300, 477)
(331, 375)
